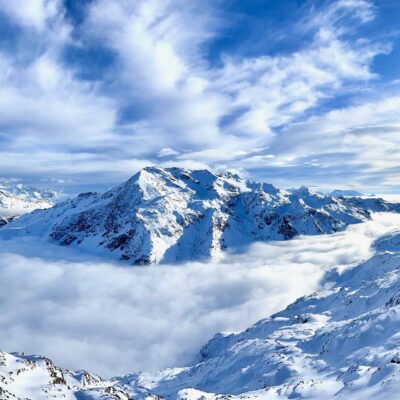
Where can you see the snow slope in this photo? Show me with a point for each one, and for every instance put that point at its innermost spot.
(174, 215)
(340, 343)
(343, 343)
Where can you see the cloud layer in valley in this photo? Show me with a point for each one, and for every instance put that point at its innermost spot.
(114, 319)
(91, 91)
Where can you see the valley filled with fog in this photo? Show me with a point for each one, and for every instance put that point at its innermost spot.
(111, 318)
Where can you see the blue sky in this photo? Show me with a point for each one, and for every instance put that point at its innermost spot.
(292, 92)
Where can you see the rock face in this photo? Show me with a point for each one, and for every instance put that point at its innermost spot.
(172, 215)
(4, 220)
(18, 199)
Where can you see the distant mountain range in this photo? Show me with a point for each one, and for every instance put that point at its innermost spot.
(340, 343)
(173, 215)
(345, 192)
(18, 199)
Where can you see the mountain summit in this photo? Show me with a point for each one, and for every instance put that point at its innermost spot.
(173, 215)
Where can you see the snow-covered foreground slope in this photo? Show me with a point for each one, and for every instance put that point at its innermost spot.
(18, 199)
(174, 215)
(342, 342)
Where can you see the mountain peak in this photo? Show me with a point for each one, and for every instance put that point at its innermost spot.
(174, 214)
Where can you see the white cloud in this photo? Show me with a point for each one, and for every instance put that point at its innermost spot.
(116, 319)
(167, 151)
(364, 139)
(31, 13)
(44, 103)
(187, 99)
(161, 91)
(159, 47)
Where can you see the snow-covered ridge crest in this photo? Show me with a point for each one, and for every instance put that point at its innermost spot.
(172, 214)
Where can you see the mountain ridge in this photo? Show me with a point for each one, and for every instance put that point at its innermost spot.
(170, 215)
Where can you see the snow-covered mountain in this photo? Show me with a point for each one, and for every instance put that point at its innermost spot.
(173, 215)
(339, 343)
(345, 192)
(18, 199)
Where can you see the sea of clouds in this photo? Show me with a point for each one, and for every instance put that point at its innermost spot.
(113, 319)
